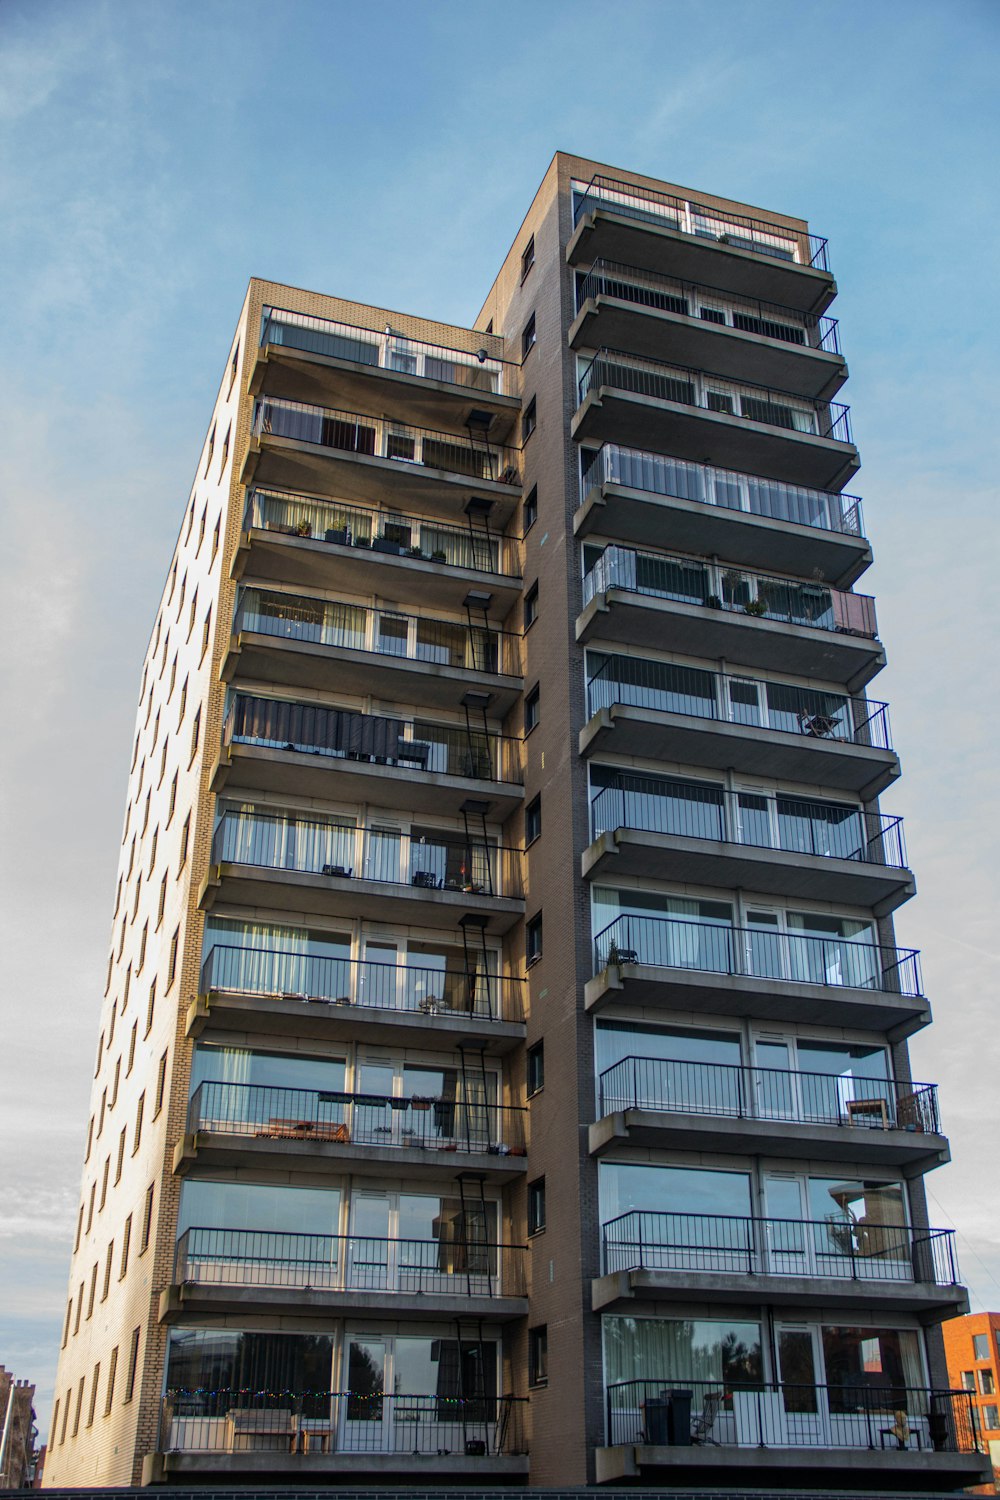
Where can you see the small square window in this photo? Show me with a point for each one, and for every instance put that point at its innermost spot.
(980, 1346)
(529, 510)
(536, 1205)
(529, 420)
(532, 821)
(531, 606)
(532, 704)
(533, 939)
(527, 257)
(528, 337)
(538, 1356)
(536, 1068)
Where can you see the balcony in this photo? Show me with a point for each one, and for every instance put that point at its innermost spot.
(295, 642)
(658, 710)
(324, 1435)
(624, 307)
(375, 459)
(846, 1435)
(306, 541)
(667, 1102)
(763, 972)
(645, 403)
(787, 1262)
(684, 605)
(426, 877)
(302, 749)
(634, 495)
(304, 358)
(759, 257)
(257, 1127)
(223, 1272)
(308, 995)
(654, 826)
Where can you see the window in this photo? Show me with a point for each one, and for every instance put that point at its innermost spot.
(109, 1395)
(531, 709)
(147, 1219)
(133, 1360)
(538, 1356)
(215, 538)
(104, 1183)
(90, 1138)
(529, 336)
(126, 1241)
(533, 939)
(536, 1068)
(208, 457)
(980, 1346)
(161, 899)
(55, 1422)
(172, 957)
(529, 510)
(195, 732)
(989, 1414)
(532, 821)
(142, 947)
(69, 1316)
(183, 702)
(69, 1397)
(234, 366)
(968, 1380)
(163, 763)
(107, 1270)
(79, 1405)
(137, 1136)
(79, 1230)
(206, 631)
(92, 1293)
(185, 836)
(187, 536)
(225, 448)
(93, 1395)
(90, 1206)
(531, 606)
(150, 1008)
(201, 529)
(161, 1079)
(121, 1155)
(193, 611)
(986, 1385)
(527, 257)
(172, 803)
(529, 420)
(536, 1205)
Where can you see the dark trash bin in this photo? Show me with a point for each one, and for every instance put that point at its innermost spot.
(654, 1419)
(678, 1417)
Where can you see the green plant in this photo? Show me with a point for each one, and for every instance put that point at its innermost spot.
(755, 607)
(304, 528)
(613, 958)
(438, 556)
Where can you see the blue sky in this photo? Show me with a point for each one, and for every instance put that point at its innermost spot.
(155, 156)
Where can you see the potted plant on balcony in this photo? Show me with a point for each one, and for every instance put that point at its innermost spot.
(304, 528)
(414, 552)
(756, 607)
(439, 555)
(362, 541)
(386, 544)
(339, 534)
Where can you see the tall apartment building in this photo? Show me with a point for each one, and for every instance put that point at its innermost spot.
(17, 1431)
(972, 1351)
(503, 1072)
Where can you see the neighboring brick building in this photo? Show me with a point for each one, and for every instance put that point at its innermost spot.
(972, 1349)
(17, 1431)
(504, 1029)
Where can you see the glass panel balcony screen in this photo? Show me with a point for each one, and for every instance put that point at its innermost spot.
(475, 369)
(356, 627)
(727, 489)
(654, 380)
(374, 437)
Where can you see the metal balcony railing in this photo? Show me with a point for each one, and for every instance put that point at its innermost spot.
(758, 820)
(781, 707)
(430, 860)
(378, 437)
(416, 745)
(707, 304)
(417, 989)
(382, 632)
(732, 590)
(673, 1085)
(726, 489)
(267, 1112)
(837, 1247)
(384, 532)
(476, 369)
(732, 398)
(871, 1411)
(759, 953)
(467, 1266)
(316, 1423)
(649, 205)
